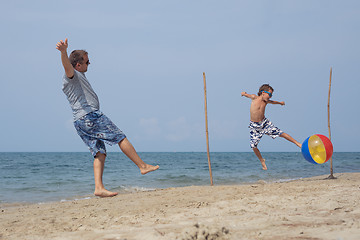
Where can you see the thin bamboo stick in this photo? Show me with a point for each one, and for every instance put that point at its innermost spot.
(207, 132)
(328, 107)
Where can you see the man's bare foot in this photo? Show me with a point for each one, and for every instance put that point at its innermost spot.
(104, 193)
(263, 164)
(148, 168)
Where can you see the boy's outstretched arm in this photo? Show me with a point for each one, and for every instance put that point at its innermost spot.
(62, 47)
(252, 96)
(276, 102)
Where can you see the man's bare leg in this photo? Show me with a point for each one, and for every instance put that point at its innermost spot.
(99, 163)
(262, 160)
(289, 138)
(127, 148)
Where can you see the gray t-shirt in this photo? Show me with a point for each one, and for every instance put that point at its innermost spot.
(80, 95)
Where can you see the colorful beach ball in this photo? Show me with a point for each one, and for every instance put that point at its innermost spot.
(317, 149)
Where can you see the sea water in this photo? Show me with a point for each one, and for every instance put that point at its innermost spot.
(44, 177)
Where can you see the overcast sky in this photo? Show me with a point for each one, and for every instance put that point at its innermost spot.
(147, 60)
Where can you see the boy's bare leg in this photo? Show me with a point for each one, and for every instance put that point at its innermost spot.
(127, 148)
(99, 163)
(262, 160)
(289, 138)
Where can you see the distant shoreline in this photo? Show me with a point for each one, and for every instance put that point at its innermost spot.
(52, 177)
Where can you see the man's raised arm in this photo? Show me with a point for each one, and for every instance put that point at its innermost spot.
(62, 47)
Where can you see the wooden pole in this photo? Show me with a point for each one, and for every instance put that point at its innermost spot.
(328, 107)
(207, 132)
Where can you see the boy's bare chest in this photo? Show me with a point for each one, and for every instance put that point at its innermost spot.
(258, 105)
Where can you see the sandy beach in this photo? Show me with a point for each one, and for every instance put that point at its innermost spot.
(311, 208)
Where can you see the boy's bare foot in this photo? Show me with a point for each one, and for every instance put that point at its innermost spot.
(104, 193)
(263, 164)
(148, 168)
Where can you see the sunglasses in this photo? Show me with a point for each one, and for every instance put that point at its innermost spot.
(270, 94)
(87, 62)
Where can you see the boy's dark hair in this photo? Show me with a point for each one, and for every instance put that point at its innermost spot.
(265, 87)
(77, 56)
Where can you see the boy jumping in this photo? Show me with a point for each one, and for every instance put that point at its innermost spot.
(259, 124)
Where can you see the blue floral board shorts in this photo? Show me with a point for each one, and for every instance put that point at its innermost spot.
(258, 129)
(96, 129)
